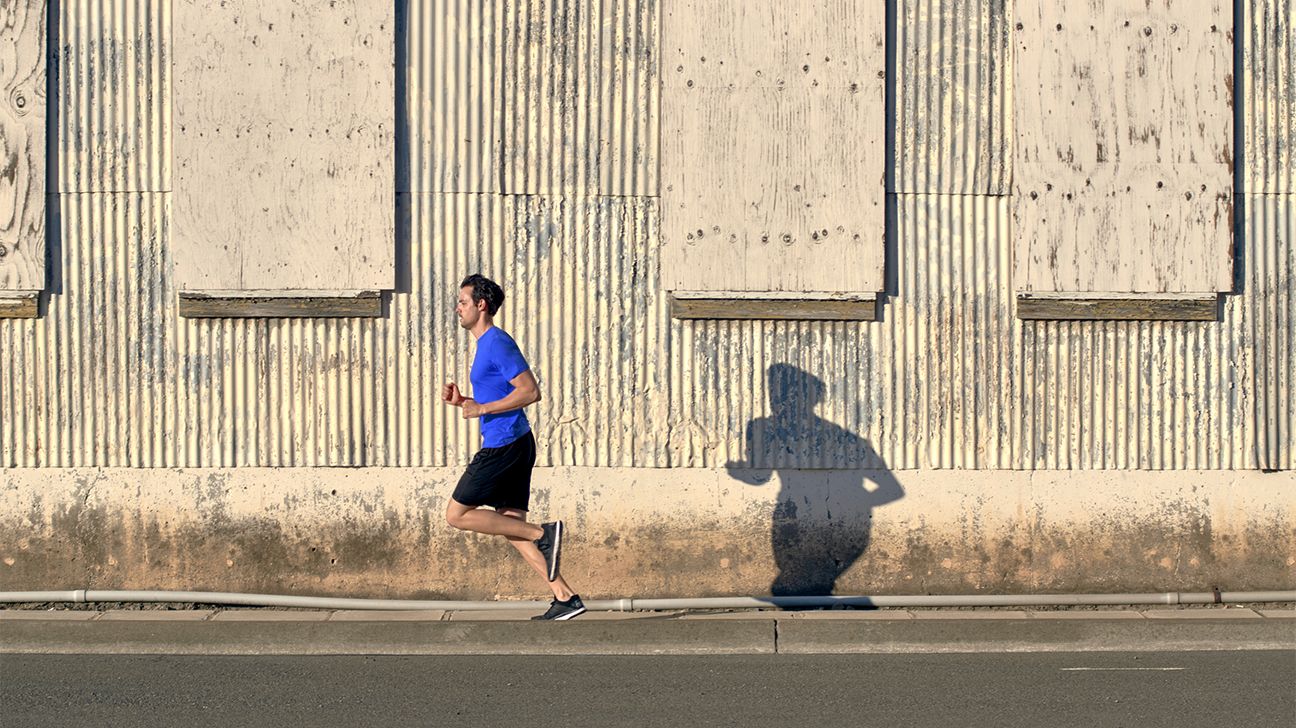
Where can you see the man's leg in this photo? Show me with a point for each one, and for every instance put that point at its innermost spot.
(532, 555)
(481, 520)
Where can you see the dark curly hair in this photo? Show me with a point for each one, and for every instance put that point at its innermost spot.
(484, 289)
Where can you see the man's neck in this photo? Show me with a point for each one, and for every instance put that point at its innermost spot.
(483, 325)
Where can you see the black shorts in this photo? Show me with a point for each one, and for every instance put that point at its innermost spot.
(499, 477)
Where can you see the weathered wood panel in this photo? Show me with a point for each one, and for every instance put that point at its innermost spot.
(773, 160)
(18, 305)
(284, 146)
(798, 307)
(1136, 229)
(22, 143)
(231, 305)
(1116, 307)
(1123, 165)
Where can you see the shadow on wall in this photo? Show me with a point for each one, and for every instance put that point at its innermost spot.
(822, 518)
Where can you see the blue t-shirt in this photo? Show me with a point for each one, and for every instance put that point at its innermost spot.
(497, 361)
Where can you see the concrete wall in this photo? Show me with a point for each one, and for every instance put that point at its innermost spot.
(653, 532)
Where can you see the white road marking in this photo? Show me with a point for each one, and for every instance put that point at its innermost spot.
(1114, 669)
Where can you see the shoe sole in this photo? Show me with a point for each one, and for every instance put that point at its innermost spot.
(557, 550)
(569, 615)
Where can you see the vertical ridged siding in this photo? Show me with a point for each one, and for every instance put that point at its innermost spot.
(451, 52)
(1267, 32)
(110, 376)
(949, 378)
(112, 107)
(952, 68)
(1271, 274)
(532, 96)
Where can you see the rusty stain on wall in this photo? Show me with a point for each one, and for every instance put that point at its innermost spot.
(361, 533)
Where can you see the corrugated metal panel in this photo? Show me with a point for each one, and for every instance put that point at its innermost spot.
(451, 62)
(112, 107)
(579, 97)
(949, 378)
(1270, 268)
(953, 106)
(1268, 40)
(532, 97)
(110, 376)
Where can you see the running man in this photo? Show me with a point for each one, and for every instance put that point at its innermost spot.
(499, 475)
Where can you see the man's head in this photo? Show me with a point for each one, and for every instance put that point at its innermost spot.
(478, 296)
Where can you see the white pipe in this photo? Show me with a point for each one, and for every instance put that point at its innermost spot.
(625, 605)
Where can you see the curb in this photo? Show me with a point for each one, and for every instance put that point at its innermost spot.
(647, 635)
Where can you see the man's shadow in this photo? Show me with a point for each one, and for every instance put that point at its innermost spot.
(822, 517)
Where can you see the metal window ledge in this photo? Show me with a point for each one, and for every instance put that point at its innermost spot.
(280, 304)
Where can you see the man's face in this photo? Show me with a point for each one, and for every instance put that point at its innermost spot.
(467, 310)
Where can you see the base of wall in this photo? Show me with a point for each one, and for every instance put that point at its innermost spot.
(652, 532)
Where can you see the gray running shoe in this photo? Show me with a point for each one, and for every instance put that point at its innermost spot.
(550, 544)
(561, 611)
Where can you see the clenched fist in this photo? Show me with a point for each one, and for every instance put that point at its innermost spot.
(450, 395)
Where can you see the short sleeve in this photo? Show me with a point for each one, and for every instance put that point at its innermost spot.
(509, 359)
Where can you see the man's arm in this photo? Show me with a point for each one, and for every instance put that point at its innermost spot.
(525, 391)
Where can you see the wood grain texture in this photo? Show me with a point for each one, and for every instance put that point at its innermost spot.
(15, 305)
(1128, 308)
(284, 145)
(773, 146)
(1123, 177)
(215, 305)
(787, 309)
(22, 145)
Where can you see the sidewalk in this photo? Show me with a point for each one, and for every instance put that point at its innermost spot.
(292, 632)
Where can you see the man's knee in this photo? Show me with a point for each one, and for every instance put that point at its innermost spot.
(455, 515)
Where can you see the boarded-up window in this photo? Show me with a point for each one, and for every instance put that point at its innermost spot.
(1123, 180)
(284, 146)
(773, 140)
(22, 141)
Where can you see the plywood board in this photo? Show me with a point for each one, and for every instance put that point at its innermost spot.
(773, 147)
(284, 145)
(1125, 229)
(1124, 146)
(22, 142)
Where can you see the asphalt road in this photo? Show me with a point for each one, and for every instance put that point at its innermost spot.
(1033, 689)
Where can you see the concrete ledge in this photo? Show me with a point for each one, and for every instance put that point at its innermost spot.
(1030, 635)
(612, 634)
(158, 615)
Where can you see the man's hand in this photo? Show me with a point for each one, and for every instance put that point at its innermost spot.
(450, 395)
(471, 408)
